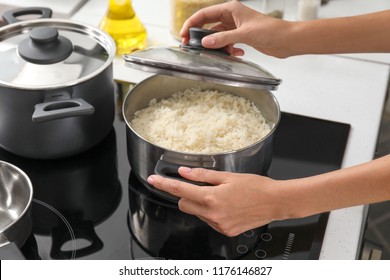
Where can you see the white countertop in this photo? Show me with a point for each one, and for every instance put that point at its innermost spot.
(338, 88)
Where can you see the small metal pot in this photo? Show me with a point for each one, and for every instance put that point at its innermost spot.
(16, 194)
(56, 87)
(147, 158)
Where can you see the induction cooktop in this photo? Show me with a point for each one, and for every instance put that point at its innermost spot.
(91, 206)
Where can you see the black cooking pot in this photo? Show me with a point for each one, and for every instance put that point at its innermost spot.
(56, 87)
(163, 231)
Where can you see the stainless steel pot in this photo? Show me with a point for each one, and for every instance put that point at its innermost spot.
(16, 194)
(56, 87)
(148, 158)
(193, 66)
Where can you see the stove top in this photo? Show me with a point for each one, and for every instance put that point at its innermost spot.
(91, 206)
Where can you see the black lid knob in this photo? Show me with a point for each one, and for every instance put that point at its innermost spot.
(43, 35)
(45, 46)
(195, 42)
(196, 36)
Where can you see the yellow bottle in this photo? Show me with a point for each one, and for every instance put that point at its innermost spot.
(121, 22)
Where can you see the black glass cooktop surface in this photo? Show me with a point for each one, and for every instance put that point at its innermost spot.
(91, 206)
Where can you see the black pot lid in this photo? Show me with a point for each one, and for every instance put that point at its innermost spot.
(47, 53)
(196, 62)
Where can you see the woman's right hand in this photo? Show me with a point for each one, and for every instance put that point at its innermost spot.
(238, 23)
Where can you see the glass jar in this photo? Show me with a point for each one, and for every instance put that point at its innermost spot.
(183, 9)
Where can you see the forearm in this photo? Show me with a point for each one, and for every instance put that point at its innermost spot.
(362, 184)
(365, 33)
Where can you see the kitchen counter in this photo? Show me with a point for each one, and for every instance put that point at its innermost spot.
(330, 87)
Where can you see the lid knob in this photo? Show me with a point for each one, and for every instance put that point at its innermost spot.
(196, 36)
(43, 34)
(45, 46)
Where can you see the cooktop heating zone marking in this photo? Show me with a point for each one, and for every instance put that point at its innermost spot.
(67, 224)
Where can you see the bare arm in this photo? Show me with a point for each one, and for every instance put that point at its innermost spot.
(238, 202)
(365, 33)
(280, 38)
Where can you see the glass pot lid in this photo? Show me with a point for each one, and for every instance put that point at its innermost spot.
(193, 61)
(47, 53)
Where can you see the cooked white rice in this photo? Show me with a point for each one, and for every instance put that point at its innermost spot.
(196, 121)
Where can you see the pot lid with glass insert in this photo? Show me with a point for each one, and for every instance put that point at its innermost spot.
(193, 61)
(48, 53)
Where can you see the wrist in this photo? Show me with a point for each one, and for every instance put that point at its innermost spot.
(295, 39)
(283, 42)
(297, 199)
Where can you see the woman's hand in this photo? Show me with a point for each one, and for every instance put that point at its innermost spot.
(238, 24)
(232, 204)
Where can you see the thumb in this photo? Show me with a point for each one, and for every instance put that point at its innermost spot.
(203, 175)
(221, 39)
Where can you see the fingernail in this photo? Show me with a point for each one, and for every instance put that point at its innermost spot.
(208, 40)
(185, 169)
(150, 180)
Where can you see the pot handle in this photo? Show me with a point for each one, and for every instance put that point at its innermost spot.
(61, 109)
(11, 15)
(170, 170)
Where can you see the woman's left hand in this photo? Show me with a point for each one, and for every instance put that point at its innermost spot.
(232, 204)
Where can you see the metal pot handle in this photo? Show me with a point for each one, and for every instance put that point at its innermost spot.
(61, 109)
(11, 15)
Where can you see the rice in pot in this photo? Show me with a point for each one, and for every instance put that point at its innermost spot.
(201, 121)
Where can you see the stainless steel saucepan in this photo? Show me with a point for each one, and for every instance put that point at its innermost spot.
(16, 194)
(193, 66)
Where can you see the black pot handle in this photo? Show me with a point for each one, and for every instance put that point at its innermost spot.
(61, 109)
(11, 16)
(170, 170)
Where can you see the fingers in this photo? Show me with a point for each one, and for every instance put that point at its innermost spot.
(193, 208)
(211, 177)
(201, 211)
(206, 15)
(176, 187)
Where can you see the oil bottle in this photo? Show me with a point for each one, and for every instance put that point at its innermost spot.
(121, 22)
